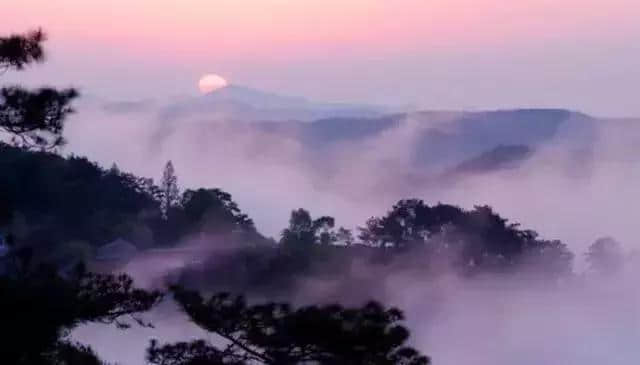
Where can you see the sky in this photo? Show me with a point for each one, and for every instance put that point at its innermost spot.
(436, 54)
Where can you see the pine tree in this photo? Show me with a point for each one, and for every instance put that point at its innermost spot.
(169, 188)
(115, 170)
(276, 334)
(31, 118)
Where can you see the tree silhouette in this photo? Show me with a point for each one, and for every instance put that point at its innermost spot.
(19, 50)
(275, 333)
(605, 256)
(214, 211)
(169, 187)
(40, 307)
(70, 353)
(477, 239)
(32, 119)
(303, 230)
(345, 236)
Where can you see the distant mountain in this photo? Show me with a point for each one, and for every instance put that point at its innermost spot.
(255, 98)
(240, 103)
(443, 140)
(436, 142)
(498, 158)
(473, 133)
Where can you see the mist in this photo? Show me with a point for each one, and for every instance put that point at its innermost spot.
(578, 185)
(590, 319)
(569, 189)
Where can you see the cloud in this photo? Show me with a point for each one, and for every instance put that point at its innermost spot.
(580, 184)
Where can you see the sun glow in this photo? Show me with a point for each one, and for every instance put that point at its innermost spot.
(211, 82)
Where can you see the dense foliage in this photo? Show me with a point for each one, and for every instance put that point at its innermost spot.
(474, 240)
(19, 50)
(275, 333)
(32, 119)
(427, 241)
(48, 202)
(40, 306)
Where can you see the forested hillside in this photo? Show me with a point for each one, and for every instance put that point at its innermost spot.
(69, 206)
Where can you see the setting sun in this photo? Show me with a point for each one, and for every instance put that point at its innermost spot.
(211, 82)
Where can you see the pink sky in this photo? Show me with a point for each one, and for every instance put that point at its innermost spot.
(312, 47)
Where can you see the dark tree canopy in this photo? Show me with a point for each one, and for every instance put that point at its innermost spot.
(275, 333)
(303, 230)
(32, 119)
(39, 308)
(35, 118)
(478, 239)
(41, 193)
(19, 50)
(72, 353)
(413, 238)
(214, 211)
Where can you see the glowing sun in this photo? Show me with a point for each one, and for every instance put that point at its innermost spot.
(211, 82)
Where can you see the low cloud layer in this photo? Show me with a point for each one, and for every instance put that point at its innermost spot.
(580, 184)
(590, 320)
(577, 186)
